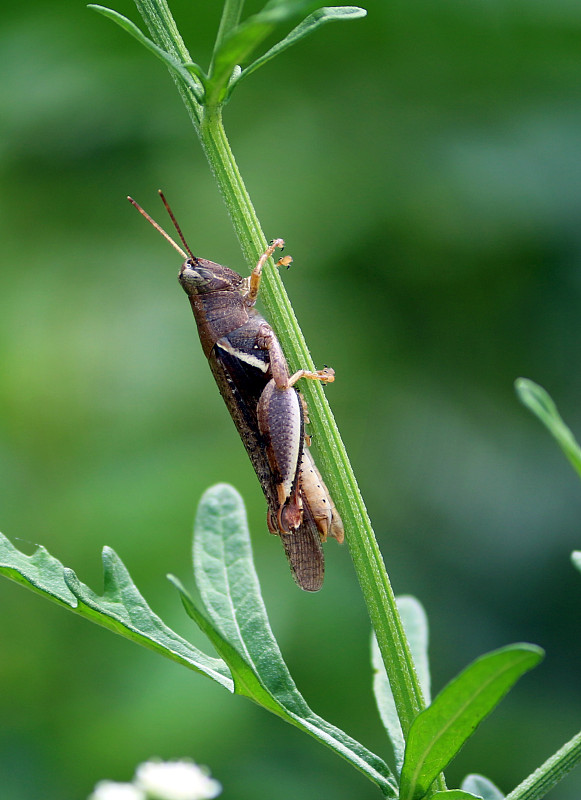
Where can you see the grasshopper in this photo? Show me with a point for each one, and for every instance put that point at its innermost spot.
(255, 382)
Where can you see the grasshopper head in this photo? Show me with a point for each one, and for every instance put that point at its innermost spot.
(198, 276)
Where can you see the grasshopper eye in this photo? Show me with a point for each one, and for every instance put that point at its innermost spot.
(194, 275)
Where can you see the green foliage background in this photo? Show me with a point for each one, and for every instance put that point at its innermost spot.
(423, 166)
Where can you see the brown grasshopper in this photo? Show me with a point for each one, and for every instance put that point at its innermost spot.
(253, 377)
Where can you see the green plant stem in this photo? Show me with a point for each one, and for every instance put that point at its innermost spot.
(162, 27)
(363, 546)
(542, 780)
(362, 543)
(232, 188)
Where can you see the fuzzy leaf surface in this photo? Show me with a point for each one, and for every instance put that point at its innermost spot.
(481, 787)
(235, 619)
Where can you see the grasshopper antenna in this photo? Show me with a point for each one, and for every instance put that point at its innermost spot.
(176, 226)
(159, 229)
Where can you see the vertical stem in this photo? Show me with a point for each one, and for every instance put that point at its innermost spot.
(231, 186)
(363, 546)
(360, 537)
(161, 25)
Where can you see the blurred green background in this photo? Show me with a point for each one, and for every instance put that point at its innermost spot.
(424, 167)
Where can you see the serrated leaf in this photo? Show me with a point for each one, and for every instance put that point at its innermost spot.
(438, 733)
(235, 619)
(121, 608)
(415, 624)
(481, 787)
(538, 400)
(309, 25)
(185, 71)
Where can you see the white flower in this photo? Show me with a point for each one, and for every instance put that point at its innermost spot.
(176, 780)
(110, 790)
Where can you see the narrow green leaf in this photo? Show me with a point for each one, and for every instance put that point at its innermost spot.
(121, 608)
(288, 8)
(271, 12)
(234, 49)
(306, 27)
(235, 619)
(481, 787)
(231, 13)
(239, 44)
(184, 71)
(453, 794)
(195, 69)
(438, 733)
(576, 559)
(415, 624)
(537, 400)
(548, 775)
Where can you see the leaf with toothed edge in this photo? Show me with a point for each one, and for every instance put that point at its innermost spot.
(121, 608)
(231, 613)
